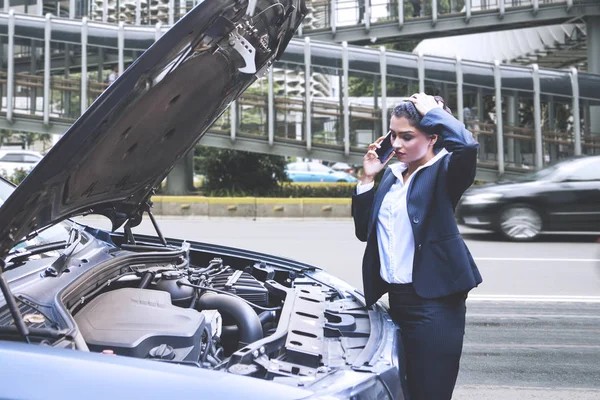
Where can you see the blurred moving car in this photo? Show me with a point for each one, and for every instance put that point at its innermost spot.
(564, 197)
(315, 172)
(13, 159)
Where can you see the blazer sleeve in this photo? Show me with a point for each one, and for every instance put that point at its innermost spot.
(462, 165)
(361, 213)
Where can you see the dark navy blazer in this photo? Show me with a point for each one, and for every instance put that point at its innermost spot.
(442, 264)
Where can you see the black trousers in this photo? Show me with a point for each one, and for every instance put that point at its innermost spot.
(432, 333)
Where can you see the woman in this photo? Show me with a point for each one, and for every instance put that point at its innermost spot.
(414, 250)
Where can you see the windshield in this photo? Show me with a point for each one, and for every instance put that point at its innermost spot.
(52, 234)
(549, 172)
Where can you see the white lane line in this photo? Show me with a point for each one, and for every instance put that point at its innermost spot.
(587, 260)
(533, 298)
(509, 346)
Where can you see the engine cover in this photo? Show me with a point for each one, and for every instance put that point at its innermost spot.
(133, 322)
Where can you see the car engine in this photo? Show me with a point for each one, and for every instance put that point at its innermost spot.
(141, 323)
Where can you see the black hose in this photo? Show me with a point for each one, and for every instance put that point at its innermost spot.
(146, 279)
(194, 299)
(264, 317)
(244, 316)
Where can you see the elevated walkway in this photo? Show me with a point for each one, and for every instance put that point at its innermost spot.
(380, 21)
(333, 116)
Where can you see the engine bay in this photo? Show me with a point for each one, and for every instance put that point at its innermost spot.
(240, 315)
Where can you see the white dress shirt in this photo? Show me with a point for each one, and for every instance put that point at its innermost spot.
(394, 230)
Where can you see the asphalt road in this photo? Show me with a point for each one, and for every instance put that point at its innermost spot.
(533, 326)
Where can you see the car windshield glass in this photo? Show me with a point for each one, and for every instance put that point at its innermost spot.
(547, 173)
(53, 234)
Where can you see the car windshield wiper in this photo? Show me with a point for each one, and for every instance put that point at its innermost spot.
(15, 257)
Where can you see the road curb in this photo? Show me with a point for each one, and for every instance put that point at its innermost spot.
(260, 207)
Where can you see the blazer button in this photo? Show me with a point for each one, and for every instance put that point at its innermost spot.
(419, 247)
(415, 220)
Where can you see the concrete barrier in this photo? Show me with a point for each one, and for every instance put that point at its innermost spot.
(260, 207)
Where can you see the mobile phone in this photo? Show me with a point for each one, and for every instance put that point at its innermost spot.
(386, 148)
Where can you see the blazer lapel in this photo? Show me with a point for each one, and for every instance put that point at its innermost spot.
(384, 186)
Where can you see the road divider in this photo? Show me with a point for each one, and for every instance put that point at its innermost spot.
(261, 207)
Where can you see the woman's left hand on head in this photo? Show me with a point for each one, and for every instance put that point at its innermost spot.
(424, 103)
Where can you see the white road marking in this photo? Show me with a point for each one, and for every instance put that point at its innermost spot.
(587, 260)
(533, 298)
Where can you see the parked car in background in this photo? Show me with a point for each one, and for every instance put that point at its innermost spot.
(564, 197)
(13, 159)
(342, 166)
(303, 171)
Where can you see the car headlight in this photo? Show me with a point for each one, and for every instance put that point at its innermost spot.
(481, 198)
(372, 389)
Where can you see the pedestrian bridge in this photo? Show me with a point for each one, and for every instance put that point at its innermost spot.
(53, 68)
(375, 21)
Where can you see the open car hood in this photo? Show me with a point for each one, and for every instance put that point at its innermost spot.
(125, 144)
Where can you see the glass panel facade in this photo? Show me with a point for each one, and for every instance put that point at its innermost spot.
(479, 114)
(557, 128)
(252, 113)
(288, 85)
(327, 106)
(28, 84)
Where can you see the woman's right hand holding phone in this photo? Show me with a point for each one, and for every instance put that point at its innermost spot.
(371, 163)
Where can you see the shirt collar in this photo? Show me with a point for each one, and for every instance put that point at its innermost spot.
(399, 168)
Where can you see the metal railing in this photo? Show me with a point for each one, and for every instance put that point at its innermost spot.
(323, 14)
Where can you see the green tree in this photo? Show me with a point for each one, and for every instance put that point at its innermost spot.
(234, 172)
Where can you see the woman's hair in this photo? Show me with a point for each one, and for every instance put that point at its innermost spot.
(407, 109)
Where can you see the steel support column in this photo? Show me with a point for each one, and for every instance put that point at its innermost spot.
(346, 99)
(47, 55)
(271, 107)
(467, 10)
(383, 70)
(332, 16)
(10, 70)
(459, 90)
(434, 12)
(121, 46)
(367, 15)
(171, 12)
(233, 119)
(84, 80)
(592, 25)
(499, 126)
(576, 113)
(537, 118)
(400, 13)
(307, 95)
(157, 31)
(138, 12)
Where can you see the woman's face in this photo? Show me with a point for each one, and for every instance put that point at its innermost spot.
(409, 143)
